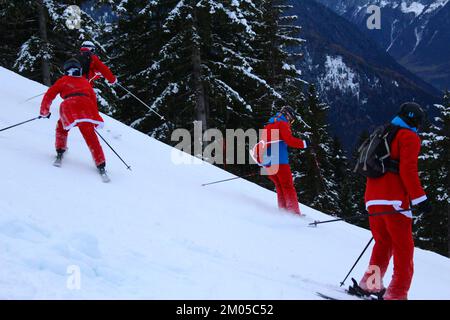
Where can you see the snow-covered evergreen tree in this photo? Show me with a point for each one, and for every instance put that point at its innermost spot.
(45, 36)
(277, 44)
(202, 66)
(45, 39)
(432, 230)
(313, 169)
(353, 187)
(132, 41)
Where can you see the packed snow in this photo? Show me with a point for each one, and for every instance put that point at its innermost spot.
(154, 232)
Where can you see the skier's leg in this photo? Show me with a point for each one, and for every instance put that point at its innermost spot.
(287, 185)
(272, 172)
(400, 229)
(61, 137)
(89, 135)
(372, 280)
(280, 195)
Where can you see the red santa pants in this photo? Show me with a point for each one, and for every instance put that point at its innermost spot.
(89, 135)
(281, 176)
(393, 237)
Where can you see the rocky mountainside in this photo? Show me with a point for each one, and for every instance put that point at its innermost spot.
(415, 32)
(362, 83)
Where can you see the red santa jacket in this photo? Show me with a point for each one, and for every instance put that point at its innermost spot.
(399, 190)
(277, 131)
(97, 69)
(79, 101)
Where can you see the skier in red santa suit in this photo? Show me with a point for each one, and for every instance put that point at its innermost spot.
(272, 154)
(396, 191)
(77, 109)
(93, 68)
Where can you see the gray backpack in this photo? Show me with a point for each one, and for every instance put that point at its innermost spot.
(374, 154)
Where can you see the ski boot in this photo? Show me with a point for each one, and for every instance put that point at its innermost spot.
(356, 290)
(102, 172)
(59, 157)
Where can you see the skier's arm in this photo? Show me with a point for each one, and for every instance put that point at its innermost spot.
(103, 69)
(409, 153)
(49, 96)
(291, 141)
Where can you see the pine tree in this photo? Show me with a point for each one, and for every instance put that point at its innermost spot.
(341, 173)
(432, 230)
(277, 43)
(43, 40)
(202, 67)
(353, 188)
(133, 41)
(313, 169)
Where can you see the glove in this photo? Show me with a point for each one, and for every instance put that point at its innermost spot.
(45, 116)
(424, 207)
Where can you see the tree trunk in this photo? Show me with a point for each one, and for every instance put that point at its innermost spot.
(45, 64)
(201, 102)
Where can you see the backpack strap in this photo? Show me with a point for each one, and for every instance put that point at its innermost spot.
(390, 134)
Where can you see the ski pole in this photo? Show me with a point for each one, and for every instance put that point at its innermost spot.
(314, 154)
(18, 124)
(315, 223)
(245, 176)
(38, 95)
(149, 108)
(128, 167)
(357, 260)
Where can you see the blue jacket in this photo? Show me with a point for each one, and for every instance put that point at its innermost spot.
(277, 147)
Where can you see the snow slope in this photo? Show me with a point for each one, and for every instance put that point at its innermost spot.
(155, 233)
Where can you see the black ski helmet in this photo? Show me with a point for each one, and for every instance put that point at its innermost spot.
(72, 67)
(412, 114)
(289, 112)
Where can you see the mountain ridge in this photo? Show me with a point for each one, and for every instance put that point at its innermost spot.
(415, 32)
(361, 82)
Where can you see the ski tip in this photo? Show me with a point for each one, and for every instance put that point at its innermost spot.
(325, 297)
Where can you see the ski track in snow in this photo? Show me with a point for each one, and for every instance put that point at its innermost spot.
(154, 232)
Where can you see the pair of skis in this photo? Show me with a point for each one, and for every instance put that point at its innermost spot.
(103, 174)
(357, 292)
(329, 297)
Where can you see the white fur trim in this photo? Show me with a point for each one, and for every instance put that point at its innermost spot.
(419, 200)
(73, 124)
(252, 151)
(394, 203)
